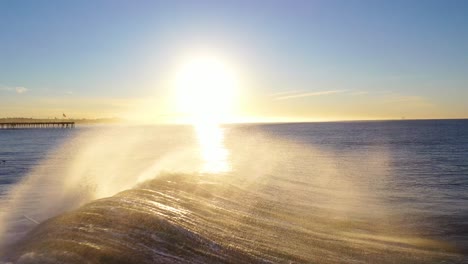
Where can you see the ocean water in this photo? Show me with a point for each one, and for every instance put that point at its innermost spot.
(344, 192)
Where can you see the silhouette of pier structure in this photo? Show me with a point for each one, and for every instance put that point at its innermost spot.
(19, 125)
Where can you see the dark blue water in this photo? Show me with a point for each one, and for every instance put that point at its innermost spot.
(354, 192)
(23, 149)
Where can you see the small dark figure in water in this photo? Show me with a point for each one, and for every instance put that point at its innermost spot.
(3, 161)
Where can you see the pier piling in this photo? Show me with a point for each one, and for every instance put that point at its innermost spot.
(20, 125)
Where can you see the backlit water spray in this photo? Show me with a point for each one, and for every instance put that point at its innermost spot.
(225, 194)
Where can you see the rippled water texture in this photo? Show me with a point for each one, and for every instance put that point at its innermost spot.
(368, 192)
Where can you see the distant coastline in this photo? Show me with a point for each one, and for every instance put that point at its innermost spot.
(115, 120)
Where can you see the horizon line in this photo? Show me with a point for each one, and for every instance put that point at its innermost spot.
(129, 121)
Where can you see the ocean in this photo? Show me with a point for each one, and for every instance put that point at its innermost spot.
(332, 192)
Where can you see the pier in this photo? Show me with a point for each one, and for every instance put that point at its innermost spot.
(17, 125)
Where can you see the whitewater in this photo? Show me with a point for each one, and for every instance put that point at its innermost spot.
(344, 192)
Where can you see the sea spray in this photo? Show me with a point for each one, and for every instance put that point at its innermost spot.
(282, 199)
(95, 163)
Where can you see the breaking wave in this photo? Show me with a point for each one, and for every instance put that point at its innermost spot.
(125, 196)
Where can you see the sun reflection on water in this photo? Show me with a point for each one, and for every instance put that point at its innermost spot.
(214, 155)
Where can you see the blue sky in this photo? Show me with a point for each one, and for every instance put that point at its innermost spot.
(301, 60)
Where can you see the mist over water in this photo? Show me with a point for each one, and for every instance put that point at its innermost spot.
(95, 163)
(386, 192)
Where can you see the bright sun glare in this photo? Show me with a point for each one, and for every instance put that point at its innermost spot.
(205, 90)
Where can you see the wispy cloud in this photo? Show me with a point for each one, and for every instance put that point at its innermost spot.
(21, 90)
(299, 94)
(370, 92)
(17, 89)
(284, 93)
(360, 93)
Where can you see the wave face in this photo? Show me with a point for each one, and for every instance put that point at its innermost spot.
(254, 197)
(195, 219)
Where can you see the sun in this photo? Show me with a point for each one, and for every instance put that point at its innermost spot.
(206, 88)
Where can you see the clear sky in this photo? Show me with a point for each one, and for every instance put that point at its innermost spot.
(293, 60)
